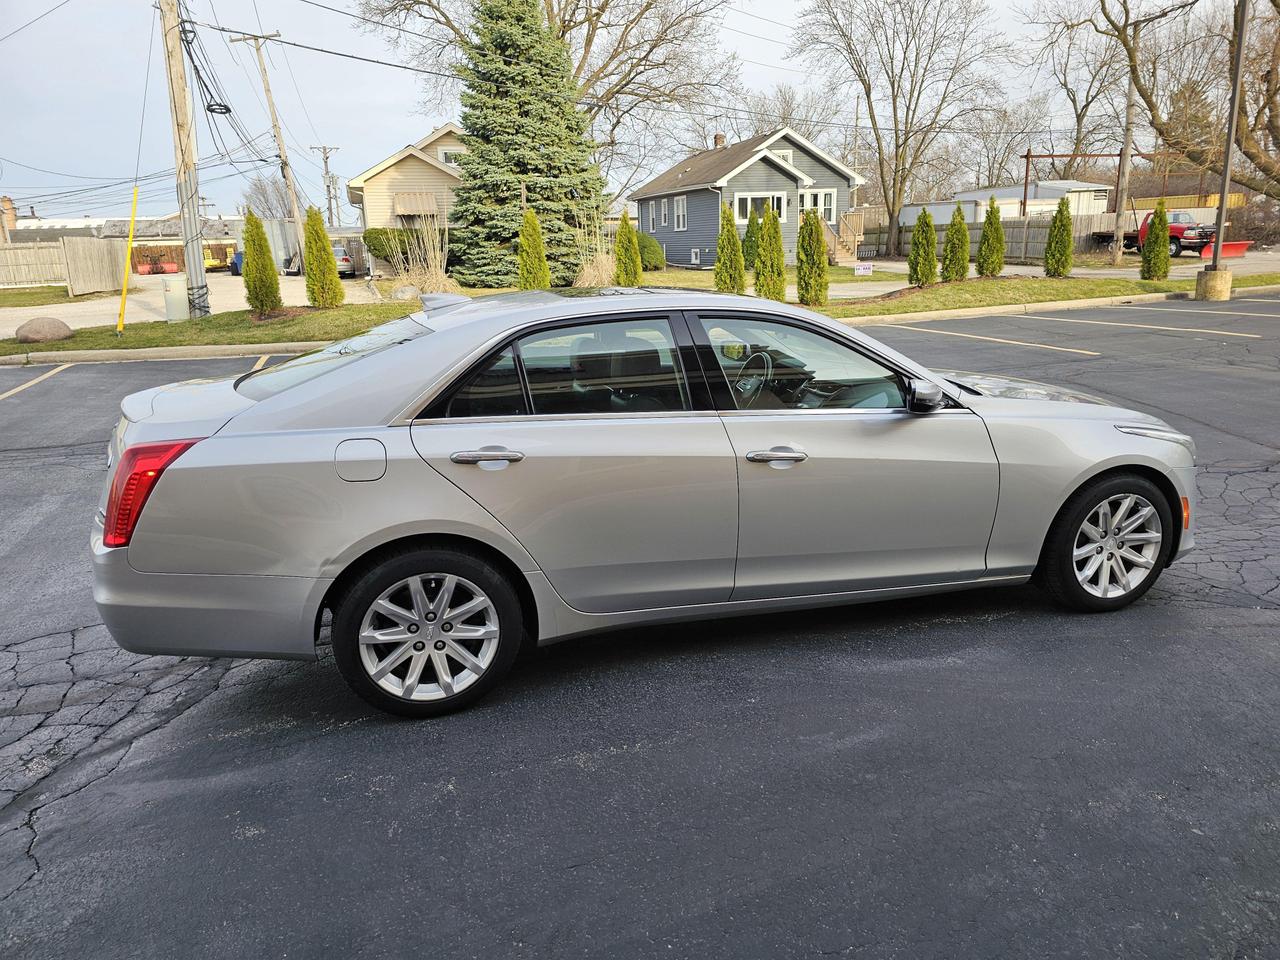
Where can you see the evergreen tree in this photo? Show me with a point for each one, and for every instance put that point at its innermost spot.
(324, 289)
(922, 260)
(990, 259)
(1057, 248)
(730, 273)
(261, 285)
(626, 254)
(521, 129)
(1155, 249)
(771, 272)
(955, 248)
(811, 261)
(532, 254)
(751, 240)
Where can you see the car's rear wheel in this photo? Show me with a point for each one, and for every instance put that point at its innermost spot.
(1175, 247)
(1108, 544)
(427, 632)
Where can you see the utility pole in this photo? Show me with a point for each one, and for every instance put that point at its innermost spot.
(330, 183)
(184, 150)
(285, 170)
(1228, 148)
(1122, 176)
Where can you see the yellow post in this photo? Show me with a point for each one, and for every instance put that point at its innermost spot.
(128, 255)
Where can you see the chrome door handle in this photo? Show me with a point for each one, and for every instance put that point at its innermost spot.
(486, 456)
(776, 454)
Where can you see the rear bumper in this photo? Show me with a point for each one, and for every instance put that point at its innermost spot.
(204, 615)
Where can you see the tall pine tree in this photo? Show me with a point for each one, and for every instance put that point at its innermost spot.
(771, 271)
(1057, 248)
(955, 248)
(730, 273)
(811, 261)
(751, 240)
(922, 260)
(626, 254)
(261, 285)
(324, 288)
(990, 260)
(532, 255)
(521, 127)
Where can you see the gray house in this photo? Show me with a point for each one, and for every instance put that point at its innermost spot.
(680, 208)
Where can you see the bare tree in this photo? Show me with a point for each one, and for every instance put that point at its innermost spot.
(267, 196)
(1001, 136)
(633, 60)
(919, 67)
(814, 113)
(1144, 33)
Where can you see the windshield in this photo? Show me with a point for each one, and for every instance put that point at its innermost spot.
(267, 382)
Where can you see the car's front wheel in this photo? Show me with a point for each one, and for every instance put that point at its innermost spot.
(1175, 247)
(427, 632)
(1108, 544)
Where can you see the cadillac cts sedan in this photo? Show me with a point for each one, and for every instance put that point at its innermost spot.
(528, 467)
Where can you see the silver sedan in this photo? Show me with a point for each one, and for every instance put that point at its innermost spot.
(529, 467)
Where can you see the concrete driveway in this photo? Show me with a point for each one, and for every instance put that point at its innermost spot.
(146, 302)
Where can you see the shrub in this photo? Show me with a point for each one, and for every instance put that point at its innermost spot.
(811, 261)
(531, 254)
(261, 285)
(626, 253)
(922, 260)
(955, 248)
(990, 259)
(324, 289)
(651, 255)
(751, 241)
(1057, 248)
(1155, 249)
(730, 273)
(771, 272)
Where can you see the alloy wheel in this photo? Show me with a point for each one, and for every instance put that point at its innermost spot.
(429, 637)
(1117, 545)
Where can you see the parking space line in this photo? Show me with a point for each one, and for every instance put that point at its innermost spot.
(1139, 326)
(1256, 300)
(31, 383)
(1225, 313)
(262, 362)
(974, 336)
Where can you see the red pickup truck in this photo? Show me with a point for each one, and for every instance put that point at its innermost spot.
(1184, 233)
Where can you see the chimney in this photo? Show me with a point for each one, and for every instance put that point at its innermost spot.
(719, 140)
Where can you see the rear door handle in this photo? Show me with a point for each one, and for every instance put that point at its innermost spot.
(489, 455)
(775, 454)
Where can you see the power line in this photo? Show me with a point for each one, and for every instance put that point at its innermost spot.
(11, 33)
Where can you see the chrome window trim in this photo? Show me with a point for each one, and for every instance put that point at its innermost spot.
(561, 417)
(840, 411)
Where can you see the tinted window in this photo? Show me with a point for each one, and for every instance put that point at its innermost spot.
(773, 366)
(624, 366)
(492, 391)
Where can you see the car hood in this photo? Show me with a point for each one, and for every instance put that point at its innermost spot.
(1015, 388)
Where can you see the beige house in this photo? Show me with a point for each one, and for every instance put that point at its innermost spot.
(412, 185)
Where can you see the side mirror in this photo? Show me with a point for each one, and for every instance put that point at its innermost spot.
(924, 396)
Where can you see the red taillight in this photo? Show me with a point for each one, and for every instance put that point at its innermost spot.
(346, 259)
(139, 470)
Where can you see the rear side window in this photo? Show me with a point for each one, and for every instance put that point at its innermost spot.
(492, 391)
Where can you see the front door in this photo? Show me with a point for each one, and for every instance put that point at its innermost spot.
(839, 487)
(585, 442)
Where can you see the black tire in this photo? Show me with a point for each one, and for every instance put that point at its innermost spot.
(350, 609)
(1175, 247)
(1056, 572)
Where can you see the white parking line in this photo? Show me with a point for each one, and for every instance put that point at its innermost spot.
(1225, 313)
(1255, 300)
(974, 336)
(262, 362)
(1139, 326)
(31, 383)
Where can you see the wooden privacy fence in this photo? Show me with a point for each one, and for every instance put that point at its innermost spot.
(1024, 237)
(82, 264)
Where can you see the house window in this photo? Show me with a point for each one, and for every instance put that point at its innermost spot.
(681, 213)
(651, 221)
(664, 211)
(450, 155)
(824, 201)
(695, 255)
(786, 155)
(744, 203)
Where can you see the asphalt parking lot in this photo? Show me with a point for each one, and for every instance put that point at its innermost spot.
(976, 775)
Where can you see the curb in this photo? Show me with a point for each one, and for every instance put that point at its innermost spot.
(1010, 309)
(233, 350)
(200, 352)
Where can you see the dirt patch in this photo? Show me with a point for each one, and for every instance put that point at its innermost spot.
(285, 313)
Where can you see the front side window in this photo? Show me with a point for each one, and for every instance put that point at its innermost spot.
(774, 366)
(623, 366)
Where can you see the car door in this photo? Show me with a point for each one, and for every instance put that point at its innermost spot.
(589, 443)
(839, 487)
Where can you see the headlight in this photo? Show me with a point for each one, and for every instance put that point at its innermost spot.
(1158, 433)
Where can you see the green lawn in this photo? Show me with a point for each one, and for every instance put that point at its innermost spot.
(1007, 290)
(42, 296)
(705, 279)
(236, 326)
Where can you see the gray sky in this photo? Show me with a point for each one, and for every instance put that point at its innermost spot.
(74, 95)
